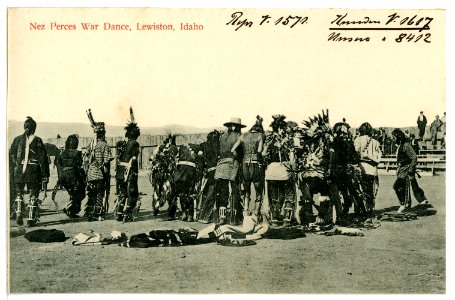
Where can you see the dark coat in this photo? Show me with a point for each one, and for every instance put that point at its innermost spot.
(71, 172)
(38, 162)
(132, 149)
(407, 160)
(185, 172)
(421, 124)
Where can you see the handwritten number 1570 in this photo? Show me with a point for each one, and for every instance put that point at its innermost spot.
(294, 20)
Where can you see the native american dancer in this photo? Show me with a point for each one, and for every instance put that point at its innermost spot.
(29, 164)
(315, 168)
(227, 174)
(162, 176)
(99, 158)
(280, 180)
(252, 168)
(72, 175)
(370, 154)
(185, 179)
(127, 173)
(120, 148)
(343, 175)
(211, 151)
(407, 162)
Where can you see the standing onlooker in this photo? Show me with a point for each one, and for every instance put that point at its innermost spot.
(421, 124)
(414, 143)
(434, 128)
(407, 161)
(443, 130)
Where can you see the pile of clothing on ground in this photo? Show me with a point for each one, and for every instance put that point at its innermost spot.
(408, 215)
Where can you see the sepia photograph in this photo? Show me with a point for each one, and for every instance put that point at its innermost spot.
(197, 151)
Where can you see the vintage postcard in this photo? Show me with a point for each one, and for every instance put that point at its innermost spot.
(221, 151)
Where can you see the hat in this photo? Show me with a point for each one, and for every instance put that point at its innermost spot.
(235, 121)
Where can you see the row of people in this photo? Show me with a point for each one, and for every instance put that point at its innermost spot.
(80, 175)
(292, 169)
(315, 160)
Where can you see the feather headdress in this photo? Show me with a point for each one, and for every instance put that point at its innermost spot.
(278, 122)
(98, 127)
(132, 130)
(258, 124)
(318, 124)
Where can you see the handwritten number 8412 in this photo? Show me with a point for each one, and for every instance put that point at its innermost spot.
(289, 20)
(409, 37)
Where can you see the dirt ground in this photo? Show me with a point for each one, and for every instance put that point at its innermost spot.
(397, 257)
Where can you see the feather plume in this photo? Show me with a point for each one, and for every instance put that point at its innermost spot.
(90, 118)
(132, 115)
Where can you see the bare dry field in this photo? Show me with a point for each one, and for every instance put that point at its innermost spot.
(398, 257)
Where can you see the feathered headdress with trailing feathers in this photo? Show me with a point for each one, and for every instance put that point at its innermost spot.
(132, 130)
(278, 122)
(318, 125)
(98, 127)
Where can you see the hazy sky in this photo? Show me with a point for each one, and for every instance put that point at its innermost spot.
(203, 78)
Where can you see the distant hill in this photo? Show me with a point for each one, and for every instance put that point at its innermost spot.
(47, 130)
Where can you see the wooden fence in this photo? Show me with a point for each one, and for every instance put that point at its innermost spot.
(428, 160)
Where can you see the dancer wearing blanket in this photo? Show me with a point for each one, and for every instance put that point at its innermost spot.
(29, 166)
(211, 150)
(370, 154)
(344, 176)
(252, 167)
(99, 157)
(226, 174)
(185, 177)
(128, 167)
(316, 165)
(72, 175)
(280, 182)
(162, 176)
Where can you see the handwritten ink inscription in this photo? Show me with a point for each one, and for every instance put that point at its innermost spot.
(354, 28)
(238, 20)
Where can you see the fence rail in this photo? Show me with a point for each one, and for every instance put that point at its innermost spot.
(426, 162)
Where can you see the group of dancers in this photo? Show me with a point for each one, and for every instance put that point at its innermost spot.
(291, 174)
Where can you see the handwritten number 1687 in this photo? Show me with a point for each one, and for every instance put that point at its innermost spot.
(289, 20)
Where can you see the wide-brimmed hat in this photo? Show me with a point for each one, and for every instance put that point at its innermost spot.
(236, 122)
